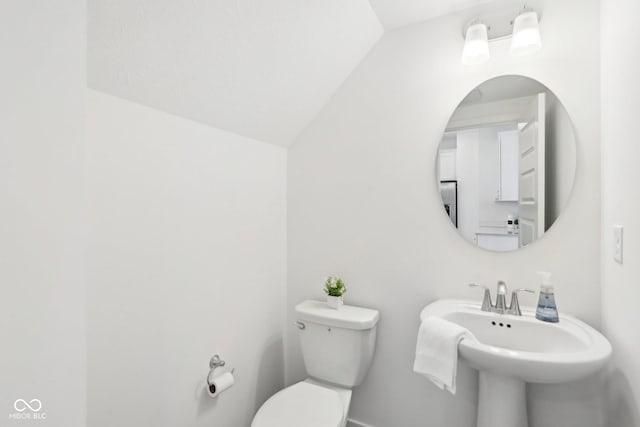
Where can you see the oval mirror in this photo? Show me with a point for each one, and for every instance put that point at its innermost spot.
(506, 163)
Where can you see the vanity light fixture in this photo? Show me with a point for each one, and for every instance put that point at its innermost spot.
(526, 33)
(476, 44)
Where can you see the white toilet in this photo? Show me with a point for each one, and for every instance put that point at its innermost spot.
(338, 347)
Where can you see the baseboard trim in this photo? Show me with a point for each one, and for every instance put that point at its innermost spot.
(353, 423)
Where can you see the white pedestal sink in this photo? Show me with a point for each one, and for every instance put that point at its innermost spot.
(513, 350)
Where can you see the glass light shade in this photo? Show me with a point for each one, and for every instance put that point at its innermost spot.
(526, 34)
(476, 45)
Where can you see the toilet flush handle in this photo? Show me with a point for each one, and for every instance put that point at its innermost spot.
(300, 325)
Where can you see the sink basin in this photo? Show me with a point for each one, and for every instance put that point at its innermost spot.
(524, 347)
(513, 350)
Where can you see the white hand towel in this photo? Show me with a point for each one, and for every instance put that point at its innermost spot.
(437, 351)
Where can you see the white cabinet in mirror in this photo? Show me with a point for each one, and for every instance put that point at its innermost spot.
(506, 163)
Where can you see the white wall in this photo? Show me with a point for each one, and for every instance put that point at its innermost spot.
(621, 205)
(377, 219)
(187, 259)
(43, 226)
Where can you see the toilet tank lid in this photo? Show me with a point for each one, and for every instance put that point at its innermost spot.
(347, 316)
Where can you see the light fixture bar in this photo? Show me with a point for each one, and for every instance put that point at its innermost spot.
(523, 30)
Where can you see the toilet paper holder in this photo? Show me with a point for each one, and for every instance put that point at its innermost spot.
(215, 363)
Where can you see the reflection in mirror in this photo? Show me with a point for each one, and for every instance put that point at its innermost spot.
(506, 163)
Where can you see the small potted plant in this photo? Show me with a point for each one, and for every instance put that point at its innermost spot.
(334, 287)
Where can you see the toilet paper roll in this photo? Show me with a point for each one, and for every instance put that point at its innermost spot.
(220, 383)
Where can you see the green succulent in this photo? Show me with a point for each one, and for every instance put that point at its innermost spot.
(334, 286)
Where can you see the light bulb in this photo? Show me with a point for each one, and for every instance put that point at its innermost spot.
(476, 45)
(526, 34)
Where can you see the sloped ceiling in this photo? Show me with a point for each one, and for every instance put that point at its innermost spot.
(398, 13)
(258, 68)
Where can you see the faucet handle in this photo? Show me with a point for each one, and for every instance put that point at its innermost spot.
(531, 291)
(514, 306)
(487, 305)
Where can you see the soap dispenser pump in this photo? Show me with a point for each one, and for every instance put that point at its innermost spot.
(547, 310)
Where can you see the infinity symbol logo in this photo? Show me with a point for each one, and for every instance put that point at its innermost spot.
(21, 405)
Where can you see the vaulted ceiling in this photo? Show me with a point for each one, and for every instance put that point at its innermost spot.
(398, 13)
(262, 69)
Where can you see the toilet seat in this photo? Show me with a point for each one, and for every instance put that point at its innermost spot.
(302, 404)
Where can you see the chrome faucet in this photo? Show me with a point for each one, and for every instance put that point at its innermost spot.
(500, 306)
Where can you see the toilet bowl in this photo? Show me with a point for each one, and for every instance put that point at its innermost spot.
(307, 403)
(337, 347)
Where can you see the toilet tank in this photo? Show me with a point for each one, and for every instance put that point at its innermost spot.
(337, 345)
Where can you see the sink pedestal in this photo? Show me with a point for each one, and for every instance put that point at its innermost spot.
(501, 401)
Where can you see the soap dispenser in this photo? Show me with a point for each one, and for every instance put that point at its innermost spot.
(547, 310)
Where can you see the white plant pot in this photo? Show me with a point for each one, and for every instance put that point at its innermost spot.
(334, 302)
